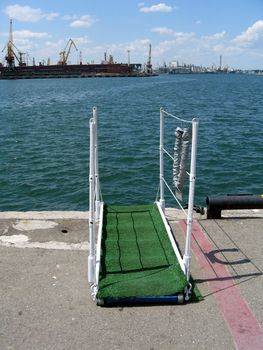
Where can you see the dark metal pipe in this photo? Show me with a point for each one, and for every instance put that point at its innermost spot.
(215, 204)
(177, 299)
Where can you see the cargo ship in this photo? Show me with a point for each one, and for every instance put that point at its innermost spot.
(73, 71)
(16, 68)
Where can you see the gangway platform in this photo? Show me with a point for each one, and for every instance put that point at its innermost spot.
(133, 256)
(138, 259)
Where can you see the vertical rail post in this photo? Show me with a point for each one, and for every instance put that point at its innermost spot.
(162, 201)
(96, 164)
(187, 256)
(91, 256)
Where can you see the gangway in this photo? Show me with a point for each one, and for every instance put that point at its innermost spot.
(133, 256)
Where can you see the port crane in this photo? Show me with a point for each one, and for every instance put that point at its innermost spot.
(65, 53)
(12, 52)
(149, 62)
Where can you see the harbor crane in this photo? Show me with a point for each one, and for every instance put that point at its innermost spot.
(148, 68)
(65, 53)
(12, 52)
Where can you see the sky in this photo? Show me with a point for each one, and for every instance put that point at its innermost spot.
(188, 31)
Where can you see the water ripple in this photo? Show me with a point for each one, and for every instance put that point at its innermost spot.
(44, 137)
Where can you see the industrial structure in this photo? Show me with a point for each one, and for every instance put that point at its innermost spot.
(65, 53)
(149, 62)
(16, 68)
(12, 52)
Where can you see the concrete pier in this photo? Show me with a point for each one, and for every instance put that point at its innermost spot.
(46, 304)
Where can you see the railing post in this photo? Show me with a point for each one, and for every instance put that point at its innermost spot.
(187, 256)
(96, 164)
(162, 201)
(91, 256)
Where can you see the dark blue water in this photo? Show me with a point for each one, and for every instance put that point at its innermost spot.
(44, 137)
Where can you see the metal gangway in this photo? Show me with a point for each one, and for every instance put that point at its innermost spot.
(98, 279)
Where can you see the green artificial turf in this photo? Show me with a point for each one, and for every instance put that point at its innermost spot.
(137, 257)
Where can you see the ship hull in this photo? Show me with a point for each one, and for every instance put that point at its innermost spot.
(72, 71)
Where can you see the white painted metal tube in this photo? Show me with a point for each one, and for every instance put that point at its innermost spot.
(162, 201)
(171, 238)
(96, 163)
(98, 250)
(187, 254)
(91, 256)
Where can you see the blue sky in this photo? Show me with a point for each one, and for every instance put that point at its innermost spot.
(188, 31)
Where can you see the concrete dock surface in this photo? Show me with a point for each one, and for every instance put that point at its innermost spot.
(46, 303)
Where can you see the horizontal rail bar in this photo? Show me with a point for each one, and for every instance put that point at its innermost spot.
(180, 119)
(168, 154)
(175, 197)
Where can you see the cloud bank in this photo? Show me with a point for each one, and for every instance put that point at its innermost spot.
(28, 14)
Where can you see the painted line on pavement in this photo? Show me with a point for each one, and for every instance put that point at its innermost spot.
(243, 325)
(22, 241)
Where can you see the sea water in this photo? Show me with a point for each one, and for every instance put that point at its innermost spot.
(44, 138)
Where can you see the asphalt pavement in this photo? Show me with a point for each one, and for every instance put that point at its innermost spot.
(46, 303)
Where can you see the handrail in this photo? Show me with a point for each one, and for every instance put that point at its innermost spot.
(192, 176)
(95, 203)
(91, 257)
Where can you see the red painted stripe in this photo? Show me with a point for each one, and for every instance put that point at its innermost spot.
(243, 325)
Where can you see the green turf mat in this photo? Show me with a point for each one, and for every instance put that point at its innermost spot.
(196, 294)
(137, 257)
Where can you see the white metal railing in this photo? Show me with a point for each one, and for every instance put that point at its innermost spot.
(95, 203)
(192, 175)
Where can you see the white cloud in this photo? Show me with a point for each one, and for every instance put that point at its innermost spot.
(219, 48)
(50, 49)
(69, 18)
(27, 34)
(161, 7)
(180, 37)
(162, 30)
(138, 51)
(213, 38)
(135, 46)
(27, 41)
(183, 37)
(219, 35)
(205, 50)
(216, 36)
(84, 22)
(227, 50)
(82, 40)
(58, 45)
(251, 35)
(188, 46)
(51, 16)
(28, 14)
(162, 48)
(138, 45)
